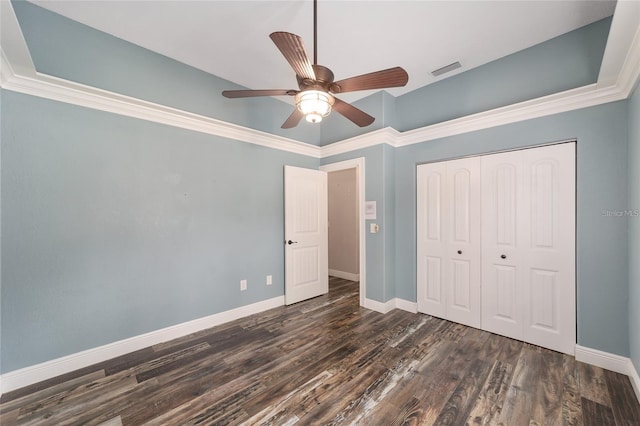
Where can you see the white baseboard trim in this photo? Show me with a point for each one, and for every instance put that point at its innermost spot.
(601, 359)
(382, 307)
(405, 305)
(36, 373)
(389, 305)
(635, 379)
(609, 361)
(344, 275)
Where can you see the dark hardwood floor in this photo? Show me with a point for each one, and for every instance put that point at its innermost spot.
(328, 361)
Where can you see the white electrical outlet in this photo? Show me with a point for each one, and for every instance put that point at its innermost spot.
(269, 280)
(243, 285)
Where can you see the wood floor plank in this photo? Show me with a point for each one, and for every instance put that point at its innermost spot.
(335, 402)
(571, 400)
(460, 404)
(431, 379)
(488, 406)
(330, 361)
(230, 390)
(547, 403)
(519, 399)
(625, 406)
(593, 385)
(595, 414)
(47, 392)
(75, 405)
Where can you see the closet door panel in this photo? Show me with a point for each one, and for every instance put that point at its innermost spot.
(502, 302)
(549, 248)
(449, 240)
(432, 273)
(463, 299)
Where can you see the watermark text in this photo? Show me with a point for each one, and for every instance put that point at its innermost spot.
(621, 213)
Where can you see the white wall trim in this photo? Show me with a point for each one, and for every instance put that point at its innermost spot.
(344, 275)
(382, 307)
(19, 74)
(623, 28)
(630, 72)
(387, 135)
(77, 94)
(635, 379)
(390, 305)
(601, 359)
(609, 361)
(406, 305)
(49, 369)
(57, 89)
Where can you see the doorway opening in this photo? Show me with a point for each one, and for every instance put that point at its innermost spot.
(346, 232)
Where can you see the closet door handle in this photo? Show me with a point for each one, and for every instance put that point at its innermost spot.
(504, 256)
(459, 251)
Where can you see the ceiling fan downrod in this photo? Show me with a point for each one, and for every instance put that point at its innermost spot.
(315, 32)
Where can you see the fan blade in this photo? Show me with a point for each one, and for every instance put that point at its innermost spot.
(392, 77)
(359, 117)
(292, 48)
(252, 93)
(293, 119)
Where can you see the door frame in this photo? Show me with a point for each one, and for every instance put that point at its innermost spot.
(358, 164)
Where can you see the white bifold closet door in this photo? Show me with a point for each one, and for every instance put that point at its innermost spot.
(528, 245)
(496, 243)
(449, 240)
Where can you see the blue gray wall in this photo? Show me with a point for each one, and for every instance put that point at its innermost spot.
(566, 62)
(562, 63)
(67, 49)
(602, 279)
(113, 227)
(602, 287)
(634, 228)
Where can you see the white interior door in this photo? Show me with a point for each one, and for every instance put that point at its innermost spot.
(449, 240)
(528, 245)
(464, 245)
(549, 247)
(306, 244)
(432, 238)
(502, 236)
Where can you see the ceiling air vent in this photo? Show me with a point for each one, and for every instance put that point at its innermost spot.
(446, 69)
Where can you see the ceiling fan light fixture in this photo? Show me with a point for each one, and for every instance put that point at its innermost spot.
(314, 104)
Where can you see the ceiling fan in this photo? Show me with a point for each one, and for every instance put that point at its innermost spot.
(316, 99)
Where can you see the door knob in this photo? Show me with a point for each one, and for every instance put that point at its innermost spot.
(459, 251)
(292, 242)
(504, 256)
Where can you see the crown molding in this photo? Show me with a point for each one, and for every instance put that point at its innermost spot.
(569, 100)
(18, 74)
(57, 89)
(630, 72)
(387, 135)
(624, 27)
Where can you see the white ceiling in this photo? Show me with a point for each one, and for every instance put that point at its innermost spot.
(230, 38)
